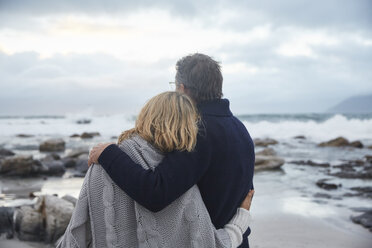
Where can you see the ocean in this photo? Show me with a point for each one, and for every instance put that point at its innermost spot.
(315, 126)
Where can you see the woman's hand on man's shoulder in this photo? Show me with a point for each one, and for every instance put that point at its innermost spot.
(96, 151)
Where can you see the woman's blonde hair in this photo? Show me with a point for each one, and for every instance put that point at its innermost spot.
(168, 121)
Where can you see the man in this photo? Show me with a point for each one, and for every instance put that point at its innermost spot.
(221, 164)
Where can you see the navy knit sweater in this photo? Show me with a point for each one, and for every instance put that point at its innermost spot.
(222, 165)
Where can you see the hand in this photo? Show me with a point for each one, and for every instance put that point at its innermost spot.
(96, 151)
(246, 204)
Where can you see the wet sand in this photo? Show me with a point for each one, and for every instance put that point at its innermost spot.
(286, 216)
(295, 231)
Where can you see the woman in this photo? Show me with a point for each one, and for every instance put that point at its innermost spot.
(105, 216)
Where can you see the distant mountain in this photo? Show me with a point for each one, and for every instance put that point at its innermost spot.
(355, 104)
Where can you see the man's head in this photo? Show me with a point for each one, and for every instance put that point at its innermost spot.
(200, 77)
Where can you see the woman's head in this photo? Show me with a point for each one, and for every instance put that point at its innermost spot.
(168, 121)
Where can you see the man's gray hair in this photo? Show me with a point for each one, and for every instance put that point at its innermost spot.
(201, 76)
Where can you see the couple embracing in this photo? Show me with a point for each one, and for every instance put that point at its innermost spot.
(182, 177)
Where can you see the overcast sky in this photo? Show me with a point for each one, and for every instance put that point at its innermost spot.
(285, 56)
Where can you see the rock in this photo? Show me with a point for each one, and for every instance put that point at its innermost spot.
(28, 224)
(53, 168)
(6, 221)
(20, 165)
(45, 221)
(75, 135)
(322, 195)
(52, 145)
(365, 173)
(267, 152)
(5, 152)
(82, 163)
(357, 162)
(327, 186)
(83, 121)
(77, 152)
(311, 163)
(343, 174)
(362, 192)
(345, 167)
(21, 135)
(368, 158)
(51, 157)
(369, 147)
(349, 165)
(364, 219)
(299, 137)
(89, 135)
(58, 213)
(356, 144)
(70, 198)
(68, 162)
(264, 142)
(351, 195)
(340, 141)
(267, 163)
(53, 165)
(78, 159)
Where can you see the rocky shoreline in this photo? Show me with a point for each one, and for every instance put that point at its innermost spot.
(47, 217)
(266, 159)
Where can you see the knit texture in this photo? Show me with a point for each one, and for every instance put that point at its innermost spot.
(105, 216)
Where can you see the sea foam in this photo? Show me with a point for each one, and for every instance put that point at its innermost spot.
(337, 125)
(285, 127)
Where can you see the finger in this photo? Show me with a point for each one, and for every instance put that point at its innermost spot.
(91, 158)
(95, 147)
(90, 153)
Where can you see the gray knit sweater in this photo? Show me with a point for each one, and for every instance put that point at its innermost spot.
(105, 216)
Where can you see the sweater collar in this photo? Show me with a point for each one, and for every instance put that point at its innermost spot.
(216, 107)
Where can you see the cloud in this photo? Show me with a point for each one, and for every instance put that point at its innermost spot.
(63, 83)
(277, 56)
(336, 14)
(236, 14)
(297, 83)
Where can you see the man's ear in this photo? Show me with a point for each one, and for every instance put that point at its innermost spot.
(181, 88)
